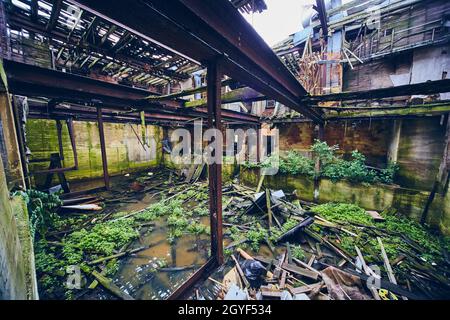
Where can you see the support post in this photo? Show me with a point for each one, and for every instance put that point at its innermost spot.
(73, 142)
(258, 143)
(317, 164)
(215, 169)
(103, 147)
(60, 142)
(395, 141)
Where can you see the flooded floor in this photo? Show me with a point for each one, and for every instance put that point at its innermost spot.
(141, 276)
(155, 272)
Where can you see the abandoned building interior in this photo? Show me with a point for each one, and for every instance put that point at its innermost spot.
(338, 189)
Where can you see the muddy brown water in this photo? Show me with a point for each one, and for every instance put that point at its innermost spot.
(139, 274)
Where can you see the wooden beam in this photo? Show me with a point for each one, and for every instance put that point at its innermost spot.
(107, 34)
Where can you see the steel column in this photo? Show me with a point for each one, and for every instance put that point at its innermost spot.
(258, 144)
(103, 147)
(215, 169)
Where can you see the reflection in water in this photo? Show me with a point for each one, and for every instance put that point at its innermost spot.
(141, 275)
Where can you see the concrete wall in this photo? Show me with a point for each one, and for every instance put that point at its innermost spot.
(17, 273)
(124, 151)
(370, 138)
(420, 151)
(9, 148)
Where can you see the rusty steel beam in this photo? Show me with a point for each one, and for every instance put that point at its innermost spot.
(40, 108)
(215, 188)
(34, 81)
(244, 94)
(103, 147)
(429, 87)
(215, 169)
(322, 11)
(30, 80)
(71, 130)
(200, 31)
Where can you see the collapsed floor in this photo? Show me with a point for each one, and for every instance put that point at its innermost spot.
(144, 238)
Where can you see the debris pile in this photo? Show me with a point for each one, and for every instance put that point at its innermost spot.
(294, 250)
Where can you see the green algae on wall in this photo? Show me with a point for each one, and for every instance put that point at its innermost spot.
(420, 152)
(17, 273)
(124, 148)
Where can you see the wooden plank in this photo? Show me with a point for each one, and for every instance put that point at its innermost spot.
(241, 273)
(283, 279)
(300, 271)
(375, 215)
(111, 287)
(269, 209)
(305, 288)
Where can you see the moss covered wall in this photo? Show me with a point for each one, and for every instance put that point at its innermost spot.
(420, 151)
(124, 151)
(17, 272)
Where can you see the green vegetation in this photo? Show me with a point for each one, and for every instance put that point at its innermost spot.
(256, 235)
(296, 163)
(297, 252)
(335, 168)
(398, 233)
(42, 211)
(103, 239)
(332, 166)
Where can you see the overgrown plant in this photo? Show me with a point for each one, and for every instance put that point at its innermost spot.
(42, 211)
(332, 166)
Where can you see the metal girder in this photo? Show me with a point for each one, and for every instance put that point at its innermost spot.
(429, 87)
(244, 94)
(215, 169)
(34, 81)
(101, 132)
(201, 31)
(322, 11)
(30, 80)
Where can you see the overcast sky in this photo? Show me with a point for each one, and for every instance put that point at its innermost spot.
(281, 19)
